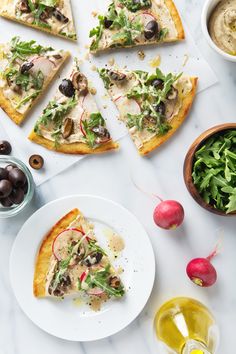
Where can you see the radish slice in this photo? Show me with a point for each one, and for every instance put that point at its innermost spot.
(42, 64)
(63, 240)
(126, 105)
(95, 292)
(144, 18)
(83, 276)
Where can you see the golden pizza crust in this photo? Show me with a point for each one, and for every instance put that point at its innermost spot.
(178, 25)
(74, 148)
(45, 252)
(176, 122)
(17, 117)
(8, 16)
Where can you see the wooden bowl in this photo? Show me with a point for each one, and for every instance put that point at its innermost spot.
(188, 166)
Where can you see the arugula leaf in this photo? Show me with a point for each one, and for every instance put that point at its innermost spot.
(105, 77)
(49, 3)
(135, 6)
(23, 49)
(95, 120)
(97, 32)
(28, 98)
(128, 30)
(214, 171)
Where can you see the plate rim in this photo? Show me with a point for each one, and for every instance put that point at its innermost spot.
(151, 257)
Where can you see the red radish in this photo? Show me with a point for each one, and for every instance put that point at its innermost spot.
(168, 214)
(201, 271)
(63, 239)
(42, 64)
(127, 105)
(83, 276)
(144, 18)
(95, 292)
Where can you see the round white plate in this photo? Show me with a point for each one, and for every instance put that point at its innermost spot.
(64, 318)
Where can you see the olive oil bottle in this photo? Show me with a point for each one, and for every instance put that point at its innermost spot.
(185, 326)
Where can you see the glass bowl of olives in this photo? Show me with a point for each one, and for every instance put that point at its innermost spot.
(16, 186)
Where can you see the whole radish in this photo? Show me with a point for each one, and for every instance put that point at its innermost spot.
(168, 214)
(200, 270)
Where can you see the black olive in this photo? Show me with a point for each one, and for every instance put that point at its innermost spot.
(59, 16)
(101, 131)
(6, 202)
(151, 29)
(160, 108)
(25, 188)
(98, 257)
(67, 88)
(3, 173)
(117, 76)
(107, 23)
(17, 196)
(114, 282)
(5, 147)
(17, 177)
(36, 162)
(5, 188)
(158, 84)
(25, 67)
(23, 6)
(66, 281)
(10, 167)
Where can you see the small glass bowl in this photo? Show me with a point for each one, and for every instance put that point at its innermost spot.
(7, 212)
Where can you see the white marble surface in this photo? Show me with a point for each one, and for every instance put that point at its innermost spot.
(109, 176)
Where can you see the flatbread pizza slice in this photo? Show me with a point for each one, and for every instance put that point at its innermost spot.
(26, 70)
(152, 105)
(70, 261)
(51, 16)
(129, 23)
(71, 123)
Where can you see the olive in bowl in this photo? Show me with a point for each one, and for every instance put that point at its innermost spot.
(16, 186)
(209, 170)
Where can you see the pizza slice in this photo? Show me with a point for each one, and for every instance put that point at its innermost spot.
(152, 105)
(26, 70)
(70, 261)
(71, 122)
(52, 16)
(129, 23)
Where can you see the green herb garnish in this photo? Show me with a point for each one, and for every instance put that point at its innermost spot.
(95, 120)
(135, 6)
(214, 171)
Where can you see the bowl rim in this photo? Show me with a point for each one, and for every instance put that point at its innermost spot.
(188, 166)
(204, 24)
(12, 211)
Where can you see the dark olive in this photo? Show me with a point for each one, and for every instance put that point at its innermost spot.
(10, 167)
(17, 196)
(116, 75)
(6, 202)
(5, 188)
(25, 67)
(160, 108)
(80, 82)
(57, 56)
(114, 282)
(23, 6)
(36, 162)
(151, 29)
(101, 132)
(3, 173)
(172, 94)
(98, 257)
(68, 127)
(67, 88)
(59, 16)
(5, 147)
(17, 177)
(107, 23)
(25, 187)
(158, 84)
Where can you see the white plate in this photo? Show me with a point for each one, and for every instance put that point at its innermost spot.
(63, 318)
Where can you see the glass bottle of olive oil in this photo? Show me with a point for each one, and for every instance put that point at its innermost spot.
(185, 326)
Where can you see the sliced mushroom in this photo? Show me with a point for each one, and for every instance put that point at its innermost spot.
(172, 94)
(67, 128)
(172, 98)
(25, 67)
(59, 16)
(117, 76)
(23, 6)
(114, 282)
(80, 82)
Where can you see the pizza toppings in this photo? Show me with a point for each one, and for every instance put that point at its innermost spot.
(36, 162)
(133, 22)
(147, 102)
(5, 147)
(53, 15)
(26, 67)
(72, 115)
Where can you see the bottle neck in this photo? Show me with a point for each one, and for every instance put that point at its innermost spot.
(195, 347)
